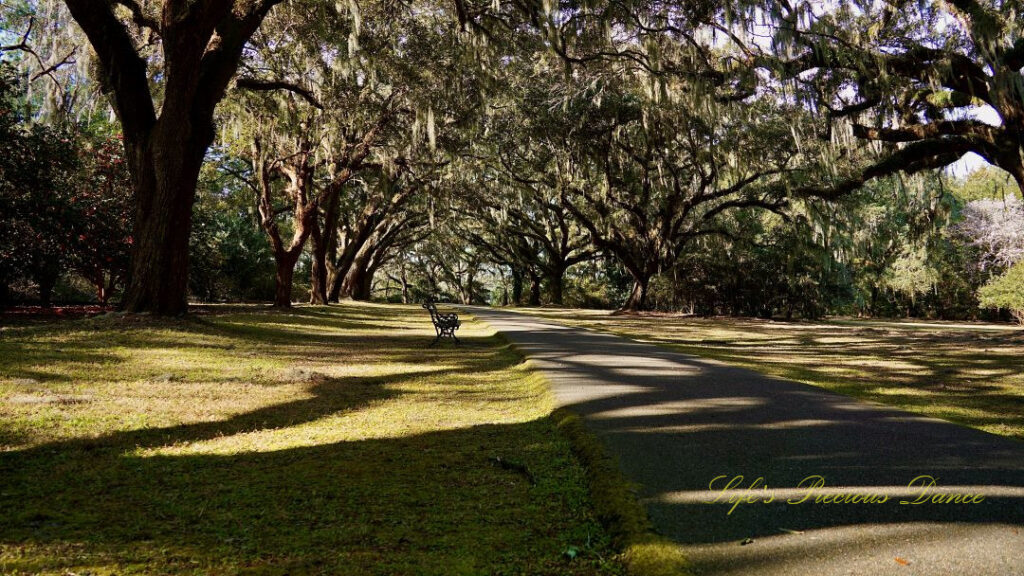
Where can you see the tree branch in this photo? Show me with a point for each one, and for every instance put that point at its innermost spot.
(256, 84)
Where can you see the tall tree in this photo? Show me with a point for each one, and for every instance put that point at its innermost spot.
(166, 66)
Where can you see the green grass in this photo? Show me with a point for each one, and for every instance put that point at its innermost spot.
(968, 373)
(318, 441)
(615, 502)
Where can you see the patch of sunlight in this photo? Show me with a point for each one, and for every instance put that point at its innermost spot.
(840, 340)
(886, 364)
(665, 369)
(387, 419)
(723, 427)
(903, 391)
(728, 404)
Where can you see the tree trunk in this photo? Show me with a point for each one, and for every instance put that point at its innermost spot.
(467, 289)
(346, 261)
(318, 270)
(353, 284)
(165, 172)
(324, 245)
(556, 286)
(405, 286)
(517, 287)
(638, 296)
(285, 275)
(335, 284)
(364, 291)
(534, 290)
(200, 49)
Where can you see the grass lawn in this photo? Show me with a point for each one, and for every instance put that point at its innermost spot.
(322, 440)
(968, 373)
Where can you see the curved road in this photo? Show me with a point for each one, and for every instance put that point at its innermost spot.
(683, 428)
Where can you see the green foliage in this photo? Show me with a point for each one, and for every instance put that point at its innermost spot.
(1006, 291)
(64, 201)
(37, 172)
(102, 204)
(910, 274)
(984, 183)
(229, 257)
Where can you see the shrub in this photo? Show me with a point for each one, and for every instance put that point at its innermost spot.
(1006, 291)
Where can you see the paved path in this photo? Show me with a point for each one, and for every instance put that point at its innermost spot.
(675, 422)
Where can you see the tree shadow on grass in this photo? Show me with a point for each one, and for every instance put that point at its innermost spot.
(432, 503)
(426, 504)
(321, 335)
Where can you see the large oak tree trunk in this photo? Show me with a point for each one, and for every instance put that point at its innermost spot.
(318, 270)
(638, 296)
(365, 289)
(284, 279)
(353, 285)
(346, 261)
(534, 289)
(201, 45)
(517, 287)
(335, 282)
(556, 286)
(165, 188)
(283, 290)
(324, 245)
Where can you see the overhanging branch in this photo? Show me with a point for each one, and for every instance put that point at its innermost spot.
(258, 85)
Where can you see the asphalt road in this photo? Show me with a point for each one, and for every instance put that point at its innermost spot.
(683, 428)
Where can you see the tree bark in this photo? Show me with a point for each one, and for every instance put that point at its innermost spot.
(165, 188)
(467, 291)
(517, 287)
(534, 289)
(323, 241)
(353, 285)
(318, 270)
(284, 279)
(405, 286)
(556, 285)
(201, 44)
(286, 256)
(364, 291)
(638, 296)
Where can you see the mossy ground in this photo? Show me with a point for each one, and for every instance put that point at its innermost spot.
(322, 440)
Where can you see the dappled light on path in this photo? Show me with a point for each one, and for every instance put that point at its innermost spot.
(682, 427)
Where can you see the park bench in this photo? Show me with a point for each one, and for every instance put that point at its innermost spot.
(444, 324)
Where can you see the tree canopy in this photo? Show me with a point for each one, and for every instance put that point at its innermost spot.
(741, 157)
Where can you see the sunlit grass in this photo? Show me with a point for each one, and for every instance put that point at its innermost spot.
(324, 440)
(969, 373)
